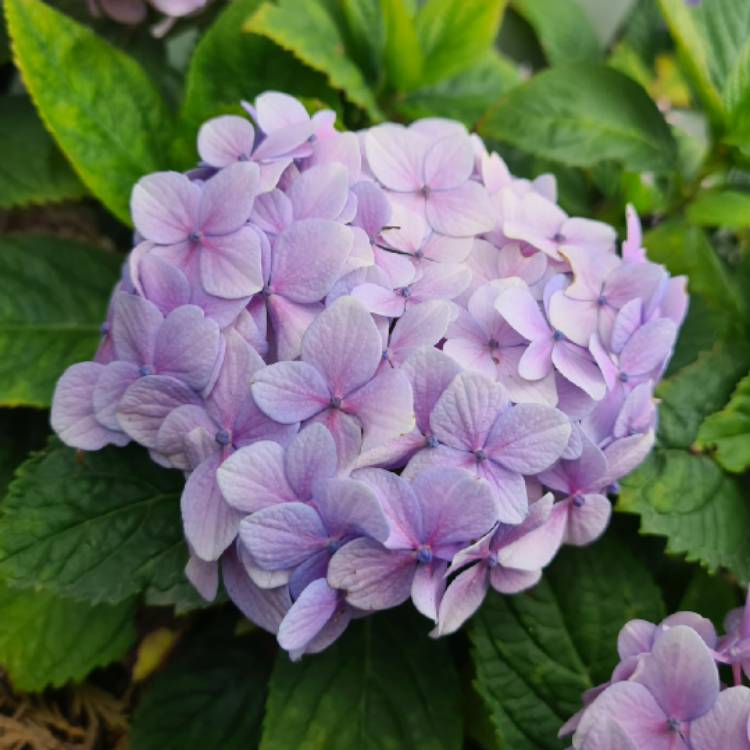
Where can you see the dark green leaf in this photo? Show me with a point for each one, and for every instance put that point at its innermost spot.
(712, 596)
(727, 432)
(310, 34)
(100, 105)
(720, 208)
(53, 299)
(454, 34)
(48, 641)
(383, 686)
(32, 169)
(570, 115)
(210, 697)
(535, 653)
(563, 29)
(366, 23)
(21, 431)
(96, 526)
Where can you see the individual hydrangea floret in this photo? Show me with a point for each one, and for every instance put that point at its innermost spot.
(388, 368)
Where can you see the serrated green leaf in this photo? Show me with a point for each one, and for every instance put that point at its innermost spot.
(465, 96)
(53, 298)
(46, 641)
(727, 432)
(32, 169)
(210, 696)
(454, 34)
(101, 107)
(720, 208)
(404, 71)
(569, 114)
(563, 29)
(99, 527)
(311, 35)
(535, 653)
(383, 686)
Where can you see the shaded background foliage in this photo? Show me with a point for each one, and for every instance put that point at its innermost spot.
(102, 642)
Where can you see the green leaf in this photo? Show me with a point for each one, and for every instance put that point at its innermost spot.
(53, 298)
(563, 29)
(404, 71)
(32, 169)
(95, 526)
(720, 208)
(46, 641)
(383, 686)
(106, 115)
(454, 34)
(570, 115)
(21, 431)
(310, 34)
(366, 23)
(535, 653)
(727, 432)
(712, 596)
(467, 95)
(229, 65)
(210, 696)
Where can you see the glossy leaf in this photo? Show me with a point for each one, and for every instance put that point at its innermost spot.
(98, 527)
(53, 299)
(102, 108)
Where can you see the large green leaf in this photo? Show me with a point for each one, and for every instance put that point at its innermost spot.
(454, 34)
(727, 432)
(309, 32)
(404, 71)
(383, 686)
(367, 27)
(570, 114)
(32, 169)
(96, 526)
(563, 29)
(53, 298)
(47, 641)
(100, 105)
(720, 208)
(230, 65)
(534, 654)
(210, 697)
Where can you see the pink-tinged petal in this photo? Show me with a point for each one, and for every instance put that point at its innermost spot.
(350, 507)
(187, 346)
(282, 536)
(395, 155)
(441, 281)
(536, 361)
(339, 148)
(442, 249)
(726, 724)
(72, 416)
(290, 391)
(701, 625)
(164, 207)
(147, 403)
(379, 300)
(110, 387)
(310, 458)
(301, 274)
(604, 361)
(528, 268)
(589, 272)
(636, 637)
(320, 192)
(528, 438)
(172, 438)
(627, 453)
(373, 208)
(280, 147)
(532, 217)
(165, 285)
(465, 413)
(633, 281)
(626, 323)
(225, 140)
(227, 198)
(308, 615)
(427, 587)
(230, 265)
(408, 230)
(265, 607)
(210, 524)
(587, 520)
(347, 434)
(522, 312)
(442, 455)
(129, 12)
(462, 599)
(384, 406)
(681, 674)
(272, 212)
(648, 347)
(533, 543)
(135, 326)
(511, 581)
(577, 319)
(608, 735)
(674, 303)
(462, 211)
(421, 325)
(472, 354)
(448, 163)
(332, 630)
(231, 385)
(632, 248)
(274, 110)
(520, 390)
(253, 477)
(592, 236)
(344, 345)
(289, 322)
(576, 364)
(204, 576)
(394, 454)
(430, 372)
(509, 489)
(373, 577)
(177, 8)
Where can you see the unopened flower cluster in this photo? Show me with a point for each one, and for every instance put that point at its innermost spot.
(388, 368)
(667, 690)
